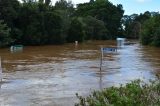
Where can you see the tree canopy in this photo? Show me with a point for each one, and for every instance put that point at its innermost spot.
(150, 34)
(38, 22)
(145, 27)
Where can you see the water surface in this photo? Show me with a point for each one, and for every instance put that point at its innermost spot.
(51, 75)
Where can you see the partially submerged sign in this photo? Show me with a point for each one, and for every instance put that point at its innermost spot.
(0, 70)
(109, 50)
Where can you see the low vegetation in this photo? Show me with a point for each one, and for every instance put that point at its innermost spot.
(135, 93)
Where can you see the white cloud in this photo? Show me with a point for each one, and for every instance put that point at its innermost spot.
(143, 1)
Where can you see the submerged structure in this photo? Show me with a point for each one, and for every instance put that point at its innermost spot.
(16, 48)
(120, 42)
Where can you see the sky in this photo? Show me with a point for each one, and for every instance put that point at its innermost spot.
(132, 6)
(138, 6)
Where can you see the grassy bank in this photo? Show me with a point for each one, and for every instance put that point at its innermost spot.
(135, 93)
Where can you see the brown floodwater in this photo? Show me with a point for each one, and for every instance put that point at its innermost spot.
(52, 75)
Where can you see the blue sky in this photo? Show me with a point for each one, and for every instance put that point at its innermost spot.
(131, 6)
(138, 6)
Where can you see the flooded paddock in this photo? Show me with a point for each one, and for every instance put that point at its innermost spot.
(52, 75)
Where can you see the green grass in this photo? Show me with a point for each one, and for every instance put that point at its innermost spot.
(135, 93)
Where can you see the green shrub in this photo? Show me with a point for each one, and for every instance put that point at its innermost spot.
(132, 94)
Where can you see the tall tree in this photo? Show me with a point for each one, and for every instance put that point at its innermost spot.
(150, 33)
(105, 11)
(95, 29)
(133, 24)
(47, 2)
(65, 10)
(9, 12)
(76, 30)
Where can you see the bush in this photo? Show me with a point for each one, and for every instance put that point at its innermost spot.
(132, 94)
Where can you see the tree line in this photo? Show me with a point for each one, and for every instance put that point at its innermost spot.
(145, 27)
(37, 22)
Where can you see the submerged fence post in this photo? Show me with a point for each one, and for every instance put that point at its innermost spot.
(0, 70)
(76, 43)
(101, 60)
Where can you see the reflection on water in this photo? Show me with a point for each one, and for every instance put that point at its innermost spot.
(51, 75)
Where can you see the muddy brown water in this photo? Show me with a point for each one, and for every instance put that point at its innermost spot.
(52, 75)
